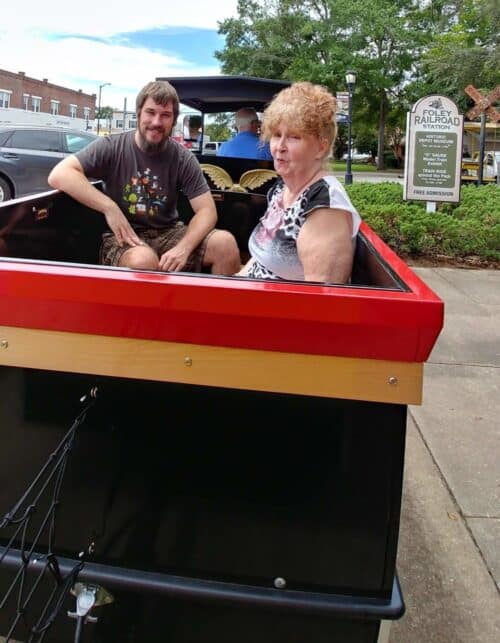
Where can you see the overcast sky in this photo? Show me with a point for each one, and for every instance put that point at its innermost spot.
(125, 43)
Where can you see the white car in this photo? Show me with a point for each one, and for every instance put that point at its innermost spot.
(211, 147)
(359, 157)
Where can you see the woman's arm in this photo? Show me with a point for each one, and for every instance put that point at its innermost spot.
(325, 247)
(244, 270)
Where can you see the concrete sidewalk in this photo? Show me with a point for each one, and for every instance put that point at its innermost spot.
(449, 548)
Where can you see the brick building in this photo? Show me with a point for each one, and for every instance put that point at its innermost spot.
(28, 100)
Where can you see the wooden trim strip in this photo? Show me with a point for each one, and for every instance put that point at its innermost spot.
(325, 376)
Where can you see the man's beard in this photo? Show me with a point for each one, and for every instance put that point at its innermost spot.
(152, 148)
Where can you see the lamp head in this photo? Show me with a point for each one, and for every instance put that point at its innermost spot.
(350, 78)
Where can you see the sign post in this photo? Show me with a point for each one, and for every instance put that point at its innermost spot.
(483, 106)
(342, 115)
(434, 131)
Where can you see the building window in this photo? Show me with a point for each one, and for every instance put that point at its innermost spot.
(72, 111)
(26, 102)
(86, 113)
(36, 103)
(5, 98)
(132, 124)
(119, 124)
(54, 107)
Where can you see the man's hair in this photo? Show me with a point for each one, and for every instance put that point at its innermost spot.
(309, 109)
(245, 116)
(162, 92)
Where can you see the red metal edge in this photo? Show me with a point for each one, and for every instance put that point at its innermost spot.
(404, 272)
(232, 312)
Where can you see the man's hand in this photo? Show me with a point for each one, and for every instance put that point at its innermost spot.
(174, 259)
(120, 227)
(68, 176)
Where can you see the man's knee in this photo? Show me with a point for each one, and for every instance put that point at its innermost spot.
(139, 258)
(222, 249)
(223, 242)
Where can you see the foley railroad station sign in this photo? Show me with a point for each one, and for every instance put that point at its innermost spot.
(434, 130)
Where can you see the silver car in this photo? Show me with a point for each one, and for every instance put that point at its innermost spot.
(28, 153)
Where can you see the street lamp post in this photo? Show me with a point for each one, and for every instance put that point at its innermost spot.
(350, 79)
(99, 107)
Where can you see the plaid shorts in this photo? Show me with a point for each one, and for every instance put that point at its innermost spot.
(160, 240)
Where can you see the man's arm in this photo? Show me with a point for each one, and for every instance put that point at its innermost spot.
(324, 246)
(204, 220)
(68, 176)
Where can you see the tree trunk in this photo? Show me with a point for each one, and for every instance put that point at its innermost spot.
(381, 133)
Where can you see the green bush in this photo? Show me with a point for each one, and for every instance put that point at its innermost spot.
(469, 228)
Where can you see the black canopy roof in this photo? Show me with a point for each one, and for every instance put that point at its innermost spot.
(211, 94)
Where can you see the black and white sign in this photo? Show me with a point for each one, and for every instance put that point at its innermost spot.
(433, 151)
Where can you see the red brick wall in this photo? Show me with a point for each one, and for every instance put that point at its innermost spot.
(20, 84)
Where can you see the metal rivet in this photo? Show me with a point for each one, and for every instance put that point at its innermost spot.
(393, 381)
(188, 361)
(4, 343)
(280, 583)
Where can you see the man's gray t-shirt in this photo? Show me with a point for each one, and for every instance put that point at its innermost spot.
(144, 186)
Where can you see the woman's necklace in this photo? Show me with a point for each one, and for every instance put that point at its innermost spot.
(290, 197)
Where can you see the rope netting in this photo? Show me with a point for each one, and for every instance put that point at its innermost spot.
(35, 593)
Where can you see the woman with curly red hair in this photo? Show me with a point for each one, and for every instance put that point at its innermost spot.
(309, 229)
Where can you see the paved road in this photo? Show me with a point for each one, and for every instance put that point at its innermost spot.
(449, 549)
(373, 177)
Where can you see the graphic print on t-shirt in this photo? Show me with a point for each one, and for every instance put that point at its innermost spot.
(143, 195)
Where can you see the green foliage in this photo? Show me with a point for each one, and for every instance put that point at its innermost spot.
(464, 50)
(220, 128)
(319, 40)
(217, 132)
(400, 49)
(470, 228)
(105, 113)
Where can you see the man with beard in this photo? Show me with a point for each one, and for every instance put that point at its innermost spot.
(143, 171)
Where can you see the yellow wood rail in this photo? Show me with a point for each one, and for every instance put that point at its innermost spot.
(325, 376)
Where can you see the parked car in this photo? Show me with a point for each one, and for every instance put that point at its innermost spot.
(211, 147)
(28, 153)
(358, 157)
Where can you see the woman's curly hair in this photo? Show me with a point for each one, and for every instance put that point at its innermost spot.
(308, 108)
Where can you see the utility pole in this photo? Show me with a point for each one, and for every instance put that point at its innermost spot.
(99, 107)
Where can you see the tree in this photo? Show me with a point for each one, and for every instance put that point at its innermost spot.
(318, 40)
(105, 114)
(400, 49)
(465, 51)
(220, 129)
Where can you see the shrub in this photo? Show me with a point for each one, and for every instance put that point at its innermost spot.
(469, 228)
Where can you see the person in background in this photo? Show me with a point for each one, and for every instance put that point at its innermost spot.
(143, 171)
(246, 144)
(195, 132)
(309, 229)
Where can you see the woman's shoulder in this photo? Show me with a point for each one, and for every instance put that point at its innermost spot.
(327, 190)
